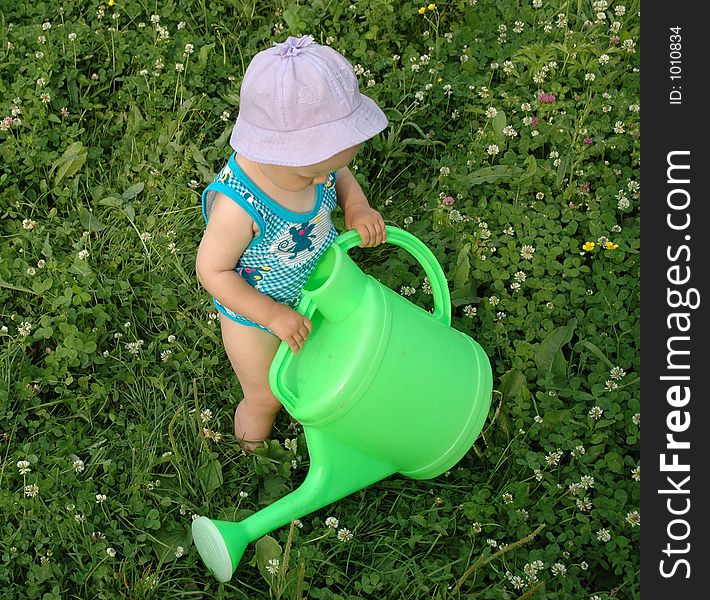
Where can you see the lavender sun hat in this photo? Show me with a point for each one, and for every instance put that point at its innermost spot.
(300, 104)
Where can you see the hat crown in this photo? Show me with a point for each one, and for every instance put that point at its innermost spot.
(298, 84)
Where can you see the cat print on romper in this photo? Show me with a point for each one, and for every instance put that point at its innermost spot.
(296, 244)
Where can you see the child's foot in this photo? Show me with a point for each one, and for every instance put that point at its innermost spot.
(248, 446)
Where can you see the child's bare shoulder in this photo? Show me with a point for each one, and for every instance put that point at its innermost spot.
(229, 214)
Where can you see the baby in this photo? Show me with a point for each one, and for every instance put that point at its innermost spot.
(302, 120)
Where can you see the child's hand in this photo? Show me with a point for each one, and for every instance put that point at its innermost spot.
(369, 224)
(289, 325)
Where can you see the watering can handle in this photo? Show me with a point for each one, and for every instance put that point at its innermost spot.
(424, 256)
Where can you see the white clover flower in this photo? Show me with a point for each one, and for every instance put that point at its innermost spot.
(332, 522)
(537, 3)
(345, 535)
(455, 216)
(620, 10)
(596, 412)
(617, 373)
(507, 498)
(538, 419)
(587, 481)
(553, 458)
(584, 504)
(636, 473)
(111, 552)
(23, 466)
(527, 252)
(515, 286)
(538, 474)
(100, 498)
(558, 569)
(134, 347)
(623, 203)
(603, 59)
(445, 171)
(492, 543)
(610, 385)
(31, 490)
(619, 127)
(491, 112)
(469, 311)
(633, 518)
(578, 451)
(603, 535)
(179, 67)
(407, 290)
(493, 149)
(25, 328)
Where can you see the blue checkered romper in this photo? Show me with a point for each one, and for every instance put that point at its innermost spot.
(279, 260)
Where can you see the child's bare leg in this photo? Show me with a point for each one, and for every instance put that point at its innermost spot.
(251, 351)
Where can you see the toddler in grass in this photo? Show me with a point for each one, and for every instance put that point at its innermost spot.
(301, 121)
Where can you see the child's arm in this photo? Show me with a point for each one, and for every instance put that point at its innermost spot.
(228, 233)
(357, 211)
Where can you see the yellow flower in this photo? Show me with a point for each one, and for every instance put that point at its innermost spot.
(422, 10)
(611, 246)
(111, 2)
(432, 7)
(588, 246)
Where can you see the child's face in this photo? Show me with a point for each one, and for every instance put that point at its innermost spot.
(296, 179)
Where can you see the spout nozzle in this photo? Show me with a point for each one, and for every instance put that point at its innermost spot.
(220, 544)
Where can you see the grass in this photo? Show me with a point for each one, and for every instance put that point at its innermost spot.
(113, 377)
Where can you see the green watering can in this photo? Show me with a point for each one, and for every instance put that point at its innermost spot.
(381, 386)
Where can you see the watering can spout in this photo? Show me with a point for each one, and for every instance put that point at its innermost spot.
(336, 285)
(337, 469)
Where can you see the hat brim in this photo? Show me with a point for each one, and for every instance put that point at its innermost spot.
(308, 146)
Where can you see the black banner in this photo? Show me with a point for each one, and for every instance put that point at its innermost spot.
(674, 297)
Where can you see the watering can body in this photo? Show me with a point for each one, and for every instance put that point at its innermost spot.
(381, 387)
